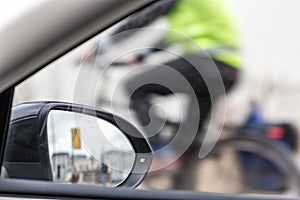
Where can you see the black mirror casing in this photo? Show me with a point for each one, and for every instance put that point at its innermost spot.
(27, 155)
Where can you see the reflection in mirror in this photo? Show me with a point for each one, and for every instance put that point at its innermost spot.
(87, 150)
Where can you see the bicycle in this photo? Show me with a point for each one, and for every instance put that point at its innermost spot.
(235, 148)
(273, 168)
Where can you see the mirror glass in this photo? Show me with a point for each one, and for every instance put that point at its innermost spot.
(87, 150)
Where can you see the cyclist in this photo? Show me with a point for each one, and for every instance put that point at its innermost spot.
(208, 23)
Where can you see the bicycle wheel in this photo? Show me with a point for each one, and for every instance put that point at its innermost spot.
(248, 164)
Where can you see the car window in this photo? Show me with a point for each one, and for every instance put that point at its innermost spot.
(217, 118)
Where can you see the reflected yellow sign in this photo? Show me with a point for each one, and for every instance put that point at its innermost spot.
(76, 138)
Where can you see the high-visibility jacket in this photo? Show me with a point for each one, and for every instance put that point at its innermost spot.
(210, 24)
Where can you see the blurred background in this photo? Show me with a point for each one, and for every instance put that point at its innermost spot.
(270, 49)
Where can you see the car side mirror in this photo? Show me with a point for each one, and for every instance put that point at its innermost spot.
(69, 143)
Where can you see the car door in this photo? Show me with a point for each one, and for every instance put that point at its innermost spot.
(56, 28)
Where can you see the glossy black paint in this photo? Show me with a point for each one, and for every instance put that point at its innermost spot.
(27, 155)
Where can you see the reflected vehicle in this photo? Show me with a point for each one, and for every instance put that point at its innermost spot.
(68, 143)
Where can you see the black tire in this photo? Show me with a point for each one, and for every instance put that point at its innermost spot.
(272, 151)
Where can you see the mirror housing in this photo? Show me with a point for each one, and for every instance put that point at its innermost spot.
(27, 154)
